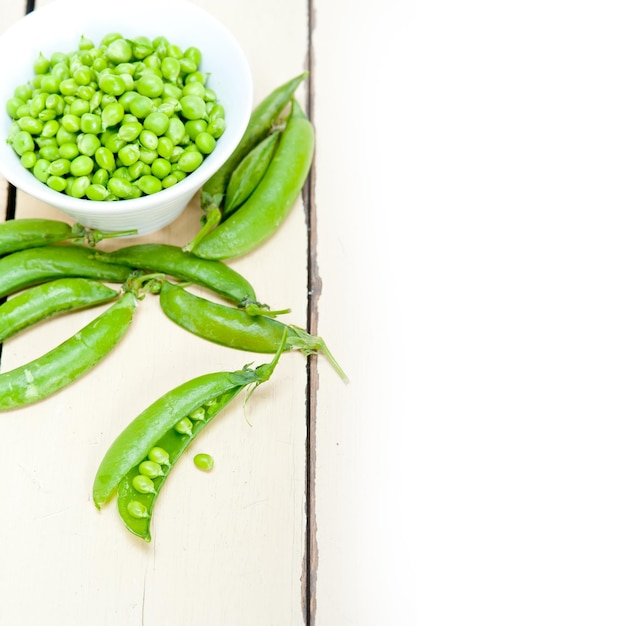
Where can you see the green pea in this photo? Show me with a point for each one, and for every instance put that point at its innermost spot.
(165, 147)
(50, 128)
(141, 106)
(58, 183)
(169, 181)
(190, 160)
(28, 159)
(203, 462)
(41, 64)
(59, 167)
(12, 107)
(170, 68)
(68, 87)
(55, 103)
(194, 127)
(97, 192)
(130, 131)
(147, 156)
(194, 53)
(188, 66)
(205, 142)
(159, 455)
(161, 167)
(112, 84)
(129, 154)
(192, 107)
(100, 177)
(136, 509)
(31, 125)
(104, 158)
(82, 165)
(199, 414)
(115, 143)
(138, 169)
(40, 170)
(83, 75)
(85, 43)
(157, 122)
(112, 114)
(121, 172)
(184, 427)
(71, 122)
(78, 187)
(149, 184)
(194, 76)
(90, 123)
(66, 136)
(121, 188)
(151, 469)
(79, 107)
(119, 51)
(172, 91)
(87, 143)
(217, 127)
(23, 142)
(50, 152)
(148, 139)
(23, 92)
(143, 484)
(194, 89)
(175, 130)
(68, 150)
(150, 85)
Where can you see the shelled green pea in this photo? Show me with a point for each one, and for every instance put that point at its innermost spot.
(87, 113)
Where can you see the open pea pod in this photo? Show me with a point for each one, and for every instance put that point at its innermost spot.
(143, 455)
(138, 490)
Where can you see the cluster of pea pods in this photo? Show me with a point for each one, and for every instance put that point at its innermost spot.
(48, 267)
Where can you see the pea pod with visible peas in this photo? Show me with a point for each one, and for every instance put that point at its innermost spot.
(73, 358)
(142, 456)
(25, 268)
(27, 232)
(173, 261)
(235, 328)
(51, 299)
(271, 201)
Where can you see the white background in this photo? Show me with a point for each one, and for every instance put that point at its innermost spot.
(500, 140)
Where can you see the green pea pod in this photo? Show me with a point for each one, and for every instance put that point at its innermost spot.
(249, 173)
(260, 124)
(270, 203)
(235, 328)
(22, 233)
(25, 268)
(152, 427)
(173, 261)
(71, 359)
(136, 506)
(48, 300)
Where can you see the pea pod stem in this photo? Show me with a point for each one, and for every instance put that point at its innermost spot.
(48, 300)
(73, 358)
(273, 198)
(235, 328)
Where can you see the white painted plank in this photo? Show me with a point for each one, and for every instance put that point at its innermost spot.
(227, 547)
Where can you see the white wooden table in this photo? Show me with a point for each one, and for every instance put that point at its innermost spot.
(461, 249)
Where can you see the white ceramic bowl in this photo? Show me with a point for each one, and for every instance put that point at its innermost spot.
(58, 26)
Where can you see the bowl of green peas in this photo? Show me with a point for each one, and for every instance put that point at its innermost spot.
(116, 114)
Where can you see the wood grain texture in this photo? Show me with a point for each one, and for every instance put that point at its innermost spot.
(228, 547)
